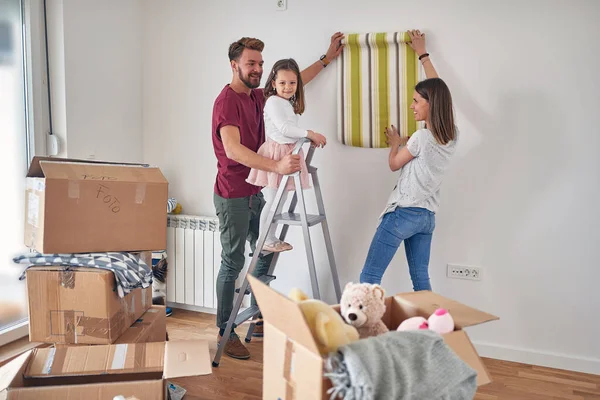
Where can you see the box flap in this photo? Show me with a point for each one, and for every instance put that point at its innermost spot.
(9, 371)
(283, 313)
(186, 358)
(462, 346)
(94, 360)
(428, 302)
(35, 170)
(108, 173)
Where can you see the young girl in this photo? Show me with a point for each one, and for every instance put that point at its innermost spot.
(284, 93)
(410, 212)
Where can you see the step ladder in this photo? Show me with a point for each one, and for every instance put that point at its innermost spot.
(286, 219)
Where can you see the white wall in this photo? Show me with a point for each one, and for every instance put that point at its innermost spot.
(521, 199)
(96, 78)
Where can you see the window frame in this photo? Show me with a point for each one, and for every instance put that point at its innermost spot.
(37, 111)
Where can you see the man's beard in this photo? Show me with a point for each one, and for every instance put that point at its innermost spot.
(247, 81)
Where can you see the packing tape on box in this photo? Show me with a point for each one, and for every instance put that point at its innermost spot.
(73, 189)
(119, 357)
(67, 279)
(33, 209)
(59, 360)
(287, 361)
(69, 326)
(140, 193)
(288, 369)
(49, 361)
(101, 327)
(140, 356)
(73, 327)
(36, 184)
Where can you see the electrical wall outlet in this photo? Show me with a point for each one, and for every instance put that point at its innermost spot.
(463, 272)
(281, 5)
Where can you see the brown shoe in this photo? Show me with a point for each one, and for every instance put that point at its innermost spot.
(258, 330)
(234, 347)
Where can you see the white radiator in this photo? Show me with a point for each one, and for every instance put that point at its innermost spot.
(194, 258)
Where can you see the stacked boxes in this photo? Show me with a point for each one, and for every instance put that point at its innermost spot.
(74, 207)
(108, 340)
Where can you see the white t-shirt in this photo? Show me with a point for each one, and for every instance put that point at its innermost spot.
(281, 122)
(421, 178)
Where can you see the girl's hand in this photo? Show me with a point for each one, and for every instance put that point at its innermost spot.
(393, 137)
(317, 139)
(417, 41)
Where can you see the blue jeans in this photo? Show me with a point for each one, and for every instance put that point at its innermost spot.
(413, 225)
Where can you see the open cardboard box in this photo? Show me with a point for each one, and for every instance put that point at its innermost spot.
(293, 367)
(103, 372)
(80, 206)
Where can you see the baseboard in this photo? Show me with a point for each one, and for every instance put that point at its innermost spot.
(545, 359)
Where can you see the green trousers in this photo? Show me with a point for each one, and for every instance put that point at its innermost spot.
(239, 221)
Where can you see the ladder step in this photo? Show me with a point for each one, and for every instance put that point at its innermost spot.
(246, 315)
(263, 253)
(295, 219)
(264, 279)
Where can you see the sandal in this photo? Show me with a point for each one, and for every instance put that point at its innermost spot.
(277, 247)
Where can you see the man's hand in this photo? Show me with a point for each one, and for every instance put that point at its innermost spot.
(336, 46)
(288, 164)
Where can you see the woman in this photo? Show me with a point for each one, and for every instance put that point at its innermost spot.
(422, 160)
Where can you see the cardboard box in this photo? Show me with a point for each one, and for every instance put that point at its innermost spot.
(103, 372)
(150, 327)
(76, 206)
(293, 367)
(80, 305)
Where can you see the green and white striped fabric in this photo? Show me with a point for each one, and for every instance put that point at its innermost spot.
(377, 73)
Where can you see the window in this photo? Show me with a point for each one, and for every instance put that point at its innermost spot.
(17, 95)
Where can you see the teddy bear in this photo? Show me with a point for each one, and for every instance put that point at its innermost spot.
(326, 325)
(362, 306)
(440, 321)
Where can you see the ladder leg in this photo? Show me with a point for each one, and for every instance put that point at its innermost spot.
(236, 307)
(327, 237)
(283, 234)
(307, 242)
(332, 266)
(239, 297)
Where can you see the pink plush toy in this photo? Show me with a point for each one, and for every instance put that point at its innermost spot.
(362, 306)
(440, 321)
(413, 324)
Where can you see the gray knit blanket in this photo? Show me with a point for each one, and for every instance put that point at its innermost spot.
(416, 365)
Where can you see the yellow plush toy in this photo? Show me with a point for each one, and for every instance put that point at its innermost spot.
(327, 326)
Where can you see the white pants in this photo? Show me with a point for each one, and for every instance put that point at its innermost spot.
(269, 194)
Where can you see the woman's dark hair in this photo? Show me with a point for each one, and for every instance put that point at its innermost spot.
(441, 113)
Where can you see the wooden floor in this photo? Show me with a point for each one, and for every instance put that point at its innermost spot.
(242, 379)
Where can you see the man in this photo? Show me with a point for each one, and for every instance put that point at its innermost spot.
(237, 134)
